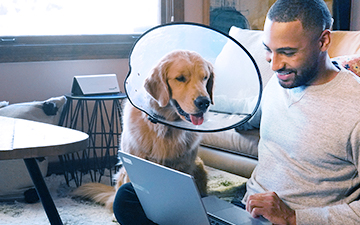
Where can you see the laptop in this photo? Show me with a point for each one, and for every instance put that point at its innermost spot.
(170, 197)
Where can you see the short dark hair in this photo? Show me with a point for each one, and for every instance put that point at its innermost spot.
(313, 14)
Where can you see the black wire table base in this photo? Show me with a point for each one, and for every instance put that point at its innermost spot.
(100, 117)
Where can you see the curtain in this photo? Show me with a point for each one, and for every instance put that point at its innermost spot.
(341, 14)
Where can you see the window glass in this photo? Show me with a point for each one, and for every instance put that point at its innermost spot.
(76, 17)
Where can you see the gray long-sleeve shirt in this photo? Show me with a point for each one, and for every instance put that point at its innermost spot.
(309, 149)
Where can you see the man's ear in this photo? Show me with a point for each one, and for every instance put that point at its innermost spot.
(325, 40)
(157, 86)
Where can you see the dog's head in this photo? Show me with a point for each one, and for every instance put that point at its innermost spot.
(185, 80)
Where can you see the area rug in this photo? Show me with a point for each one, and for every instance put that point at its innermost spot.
(82, 212)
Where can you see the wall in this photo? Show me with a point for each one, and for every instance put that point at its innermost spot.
(20, 82)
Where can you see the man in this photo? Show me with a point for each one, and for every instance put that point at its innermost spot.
(308, 169)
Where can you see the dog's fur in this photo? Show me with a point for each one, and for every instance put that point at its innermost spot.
(180, 88)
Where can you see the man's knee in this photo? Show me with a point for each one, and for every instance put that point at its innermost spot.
(127, 207)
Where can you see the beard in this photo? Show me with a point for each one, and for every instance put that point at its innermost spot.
(301, 77)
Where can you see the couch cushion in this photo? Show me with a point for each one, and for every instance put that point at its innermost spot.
(244, 143)
(344, 43)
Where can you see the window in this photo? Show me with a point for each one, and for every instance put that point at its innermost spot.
(42, 30)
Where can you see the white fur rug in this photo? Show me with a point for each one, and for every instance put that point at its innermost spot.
(82, 212)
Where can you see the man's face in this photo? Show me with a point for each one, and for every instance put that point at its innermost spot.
(292, 52)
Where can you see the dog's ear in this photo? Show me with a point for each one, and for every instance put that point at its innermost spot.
(156, 85)
(210, 84)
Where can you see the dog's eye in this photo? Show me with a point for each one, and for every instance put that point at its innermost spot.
(181, 78)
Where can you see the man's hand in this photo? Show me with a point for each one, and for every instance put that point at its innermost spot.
(271, 207)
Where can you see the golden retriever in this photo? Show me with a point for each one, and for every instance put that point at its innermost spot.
(180, 88)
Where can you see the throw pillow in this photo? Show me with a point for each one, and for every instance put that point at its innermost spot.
(47, 111)
(252, 41)
(234, 64)
(350, 62)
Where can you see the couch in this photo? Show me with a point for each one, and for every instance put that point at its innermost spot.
(236, 152)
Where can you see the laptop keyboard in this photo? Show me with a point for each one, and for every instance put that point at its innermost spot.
(216, 221)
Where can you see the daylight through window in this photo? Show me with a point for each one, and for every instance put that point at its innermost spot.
(77, 17)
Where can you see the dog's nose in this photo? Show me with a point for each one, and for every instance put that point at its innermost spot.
(202, 103)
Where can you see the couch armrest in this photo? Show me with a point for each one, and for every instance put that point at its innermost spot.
(239, 164)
